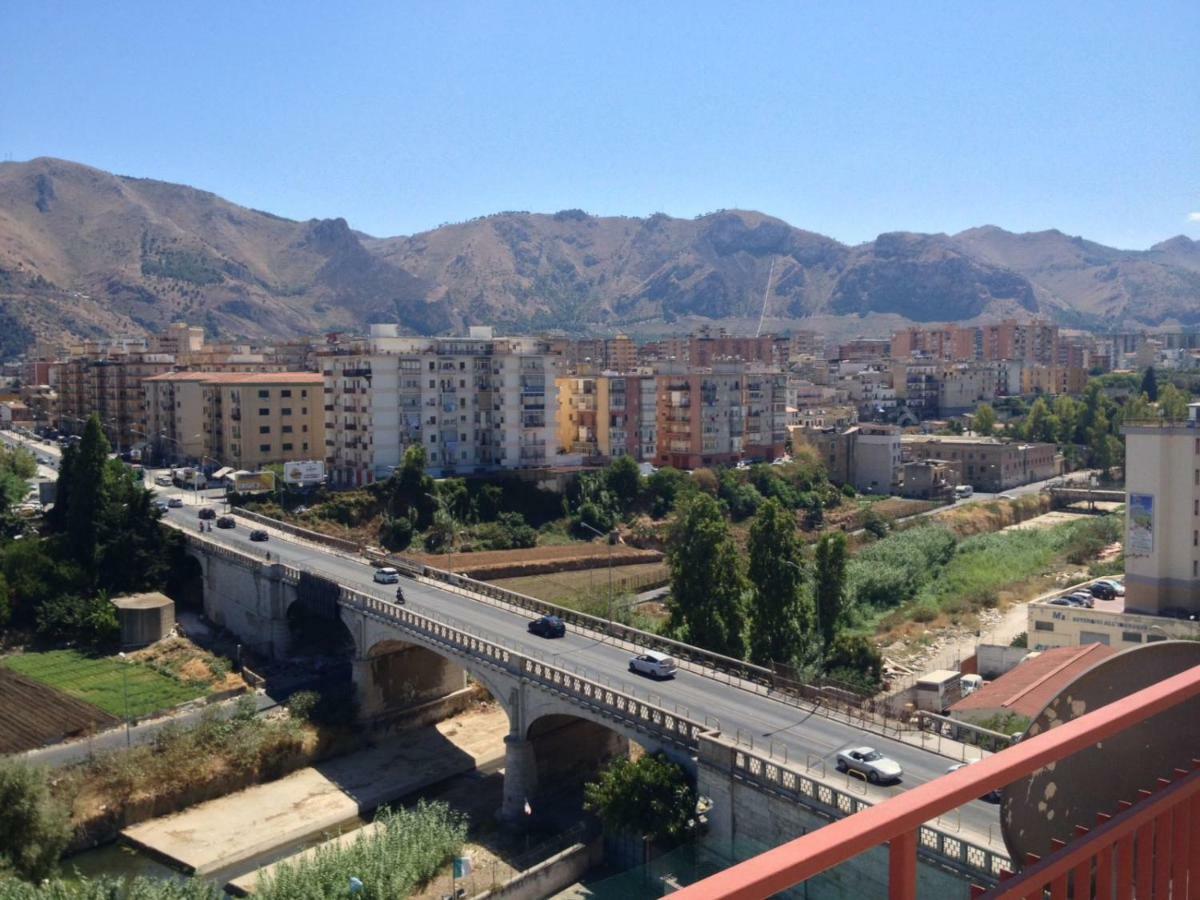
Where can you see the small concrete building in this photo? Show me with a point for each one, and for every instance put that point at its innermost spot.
(1026, 689)
(145, 618)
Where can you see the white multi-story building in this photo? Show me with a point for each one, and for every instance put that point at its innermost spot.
(877, 458)
(1162, 542)
(479, 403)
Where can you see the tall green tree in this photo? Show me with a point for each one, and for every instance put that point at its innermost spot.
(1037, 425)
(86, 493)
(984, 421)
(1150, 384)
(778, 618)
(830, 583)
(1172, 402)
(707, 583)
(1099, 444)
(624, 481)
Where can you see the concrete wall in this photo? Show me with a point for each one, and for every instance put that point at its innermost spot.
(550, 876)
(993, 660)
(395, 675)
(250, 600)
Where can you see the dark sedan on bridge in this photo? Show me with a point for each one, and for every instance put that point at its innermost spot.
(548, 627)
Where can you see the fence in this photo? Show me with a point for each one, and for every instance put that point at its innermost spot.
(1163, 828)
(306, 534)
(973, 858)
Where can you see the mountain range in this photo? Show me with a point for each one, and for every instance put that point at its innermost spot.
(94, 254)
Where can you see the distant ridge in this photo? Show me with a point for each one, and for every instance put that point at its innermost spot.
(92, 254)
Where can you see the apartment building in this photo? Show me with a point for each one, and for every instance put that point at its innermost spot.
(939, 343)
(476, 403)
(865, 455)
(616, 354)
(242, 419)
(701, 416)
(606, 416)
(963, 387)
(766, 417)
(865, 350)
(105, 379)
(1162, 545)
(1053, 380)
(987, 463)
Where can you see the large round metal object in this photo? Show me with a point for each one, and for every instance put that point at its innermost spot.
(1049, 803)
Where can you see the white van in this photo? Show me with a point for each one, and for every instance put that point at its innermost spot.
(653, 664)
(964, 490)
(970, 684)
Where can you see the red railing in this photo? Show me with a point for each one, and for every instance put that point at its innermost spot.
(1156, 842)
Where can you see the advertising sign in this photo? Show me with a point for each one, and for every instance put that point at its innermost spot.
(1141, 525)
(253, 482)
(305, 471)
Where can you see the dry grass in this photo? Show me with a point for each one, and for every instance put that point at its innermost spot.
(562, 586)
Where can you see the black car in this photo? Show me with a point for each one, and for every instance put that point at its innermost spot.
(226, 522)
(1102, 591)
(548, 627)
(207, 512)
(258, 535)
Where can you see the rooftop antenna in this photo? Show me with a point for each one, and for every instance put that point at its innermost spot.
(762, 314)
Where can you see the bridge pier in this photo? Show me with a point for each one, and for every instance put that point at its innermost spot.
(520, 777)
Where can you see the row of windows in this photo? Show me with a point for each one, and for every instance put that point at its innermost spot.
(287, 429)
(265, 393)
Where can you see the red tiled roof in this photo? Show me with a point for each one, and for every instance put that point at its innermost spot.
(1027, 689)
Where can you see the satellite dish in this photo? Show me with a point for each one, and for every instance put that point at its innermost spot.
(1049, 803)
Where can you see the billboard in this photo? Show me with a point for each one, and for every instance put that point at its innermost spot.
(305, 471)
(253, 482)
(1141, 525)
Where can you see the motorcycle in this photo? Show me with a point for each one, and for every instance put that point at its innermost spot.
(400, 595)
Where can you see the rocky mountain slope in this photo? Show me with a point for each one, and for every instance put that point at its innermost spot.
(95, 253)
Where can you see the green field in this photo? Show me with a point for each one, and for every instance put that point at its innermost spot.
(102, 681)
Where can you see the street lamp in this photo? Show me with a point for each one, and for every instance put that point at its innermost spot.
(608, 537)
(125, 692)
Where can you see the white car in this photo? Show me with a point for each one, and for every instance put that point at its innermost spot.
(386, 575)
(653, 664)
(162, 480)
(869, 763)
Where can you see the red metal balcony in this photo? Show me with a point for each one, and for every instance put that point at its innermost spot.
(1150, 847)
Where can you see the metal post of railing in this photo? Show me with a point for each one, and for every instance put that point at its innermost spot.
(902, 867)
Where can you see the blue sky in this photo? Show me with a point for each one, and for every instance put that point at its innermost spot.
(849, 119)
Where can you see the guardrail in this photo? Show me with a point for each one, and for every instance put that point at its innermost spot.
(589, 690)
(296, 531)
(963, 732)
(766, 773)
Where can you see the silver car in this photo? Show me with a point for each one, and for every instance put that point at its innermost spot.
(869, 763)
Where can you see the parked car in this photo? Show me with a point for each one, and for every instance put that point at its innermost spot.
(1082, 598)
(207, 512)
(258, 535)
(1117, 586)
(653, 664)
(226, 522)
(1102, 590)
(869, 763)
(1062, 601)
(175, 502)
(161, 504)
(963, 490)
(1179, 612)
(992, 796)
(386, 575)
(548, 627)
(162, 480)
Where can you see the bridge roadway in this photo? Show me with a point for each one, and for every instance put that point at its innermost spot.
(809, 737)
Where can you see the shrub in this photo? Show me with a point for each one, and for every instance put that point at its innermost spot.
(405, 851)
(874, 523)
(396, 534)
(1020, 640)
(857, 661)
(302, 704)
(34, 827)
(650, 797)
